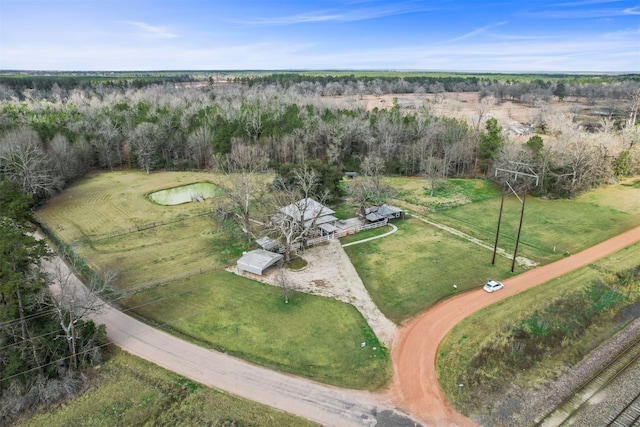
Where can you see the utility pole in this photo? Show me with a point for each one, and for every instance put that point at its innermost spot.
(515, 252)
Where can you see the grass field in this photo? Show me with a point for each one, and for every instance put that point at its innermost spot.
(418, 266)
(490, 326)
(415, 193)
(387, 266)
(175, 271)
(127, 391)
(251, 321)
(110, 203)
(566, 225)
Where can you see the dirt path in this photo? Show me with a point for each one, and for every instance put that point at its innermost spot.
(415, 387)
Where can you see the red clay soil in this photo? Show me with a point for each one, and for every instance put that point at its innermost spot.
(415, 387)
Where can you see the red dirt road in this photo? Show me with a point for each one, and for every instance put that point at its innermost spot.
(415, 387)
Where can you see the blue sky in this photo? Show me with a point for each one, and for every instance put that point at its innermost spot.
(490, 35)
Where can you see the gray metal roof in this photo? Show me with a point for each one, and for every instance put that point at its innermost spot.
(258, 260)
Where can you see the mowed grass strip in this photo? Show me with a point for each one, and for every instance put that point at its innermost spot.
(127, 391)
(104, 203)
(311, 336)
(486, 326)
(417, 266)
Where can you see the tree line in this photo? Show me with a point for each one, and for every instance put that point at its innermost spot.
(45, 338)
(50, 137)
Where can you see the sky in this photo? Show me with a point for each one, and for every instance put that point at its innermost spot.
(441, 35)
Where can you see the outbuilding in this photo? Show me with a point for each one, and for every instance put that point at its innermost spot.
(257, 261)
(382, 213)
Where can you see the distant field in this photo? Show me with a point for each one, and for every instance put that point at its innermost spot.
(127, 391)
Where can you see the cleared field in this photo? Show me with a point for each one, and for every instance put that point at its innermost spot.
(418, 266)
(250, 320)
(557, 315)
(127, 391)
(108, 203)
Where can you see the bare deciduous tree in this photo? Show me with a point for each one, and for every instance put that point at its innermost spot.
(23, 162)
(72, 303)
(299, 205)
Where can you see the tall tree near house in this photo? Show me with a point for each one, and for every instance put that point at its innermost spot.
(244, 185)
(373, 168)
(297, 213)
(490, 143)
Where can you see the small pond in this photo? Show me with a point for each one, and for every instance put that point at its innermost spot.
(184, 194)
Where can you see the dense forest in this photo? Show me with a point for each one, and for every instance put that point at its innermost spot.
(53, 132)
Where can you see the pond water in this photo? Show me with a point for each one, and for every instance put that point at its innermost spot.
(184, 194)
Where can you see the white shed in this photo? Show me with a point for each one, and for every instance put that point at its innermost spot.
(257, 261)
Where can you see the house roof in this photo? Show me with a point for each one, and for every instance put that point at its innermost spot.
(267, 243)
(329, 228)
(386, 210)
(382, 210)
(306, 209)
(258, 260)
(373, 217)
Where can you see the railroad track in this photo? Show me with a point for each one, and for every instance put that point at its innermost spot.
(596, 383)
(629, 416)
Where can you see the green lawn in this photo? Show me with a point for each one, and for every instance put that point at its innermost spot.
(127, 391)
(543, 310)
(418, 266)
(312, 336)
(163, 253)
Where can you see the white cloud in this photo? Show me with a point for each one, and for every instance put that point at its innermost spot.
(476, 32)
(152, 31)
(342, 16)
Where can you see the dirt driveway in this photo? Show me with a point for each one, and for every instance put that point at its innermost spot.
(329, 273)
(415, 387)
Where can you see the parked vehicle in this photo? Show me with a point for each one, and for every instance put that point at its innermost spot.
(493, 285)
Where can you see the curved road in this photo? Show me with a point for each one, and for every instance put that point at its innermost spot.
(415, 387)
